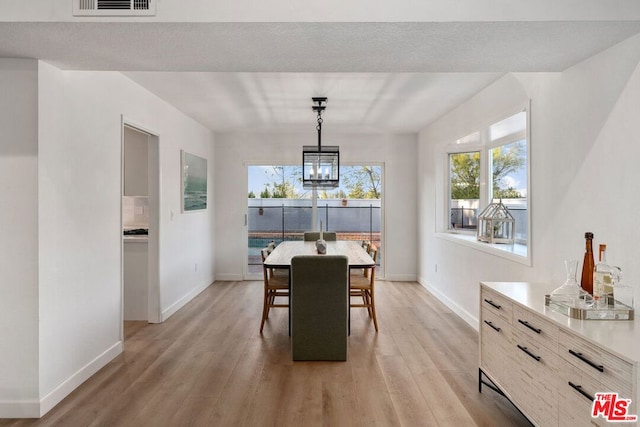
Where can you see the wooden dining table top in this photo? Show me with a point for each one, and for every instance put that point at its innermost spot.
(282, 254)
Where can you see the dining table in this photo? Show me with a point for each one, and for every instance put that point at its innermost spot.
(281, 256)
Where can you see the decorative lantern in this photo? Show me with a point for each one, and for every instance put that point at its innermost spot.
(321, 164)
(496, 224)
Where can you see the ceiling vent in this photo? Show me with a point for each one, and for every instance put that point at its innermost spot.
(114, 7)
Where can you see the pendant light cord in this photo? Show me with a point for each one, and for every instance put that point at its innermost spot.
(319, 128)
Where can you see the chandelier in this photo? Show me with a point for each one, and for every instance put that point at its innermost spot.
(321, 164)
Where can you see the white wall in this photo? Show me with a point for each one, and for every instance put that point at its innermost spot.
(584, 151)
(397, 152)
(19, 234)
(62, 246)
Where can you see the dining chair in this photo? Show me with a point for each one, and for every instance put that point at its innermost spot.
(275, 286)
(312, 236)
(273, 271)
(366, 245)
(319, 307)
(362, 285)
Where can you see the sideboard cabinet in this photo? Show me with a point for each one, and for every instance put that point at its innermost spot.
(551, 366)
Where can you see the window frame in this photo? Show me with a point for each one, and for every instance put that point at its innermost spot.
(521, 251)
(475, 148)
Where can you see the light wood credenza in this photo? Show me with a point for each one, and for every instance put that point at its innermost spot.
(549, 365)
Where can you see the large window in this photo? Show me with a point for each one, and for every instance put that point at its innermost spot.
(280, 209)
(491, 165)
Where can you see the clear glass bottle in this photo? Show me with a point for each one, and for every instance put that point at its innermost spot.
(622, 292)
(570, 293)
(587, 265)
(602, 285)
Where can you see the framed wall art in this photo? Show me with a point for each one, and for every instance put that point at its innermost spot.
(194, 182)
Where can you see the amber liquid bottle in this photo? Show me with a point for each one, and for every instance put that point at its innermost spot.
(588, 265)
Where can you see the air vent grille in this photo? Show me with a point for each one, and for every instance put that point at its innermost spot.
(114, 7)
(114, 4)
(141, 4)
(87, 4)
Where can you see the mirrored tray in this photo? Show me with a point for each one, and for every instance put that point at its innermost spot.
(615, 311)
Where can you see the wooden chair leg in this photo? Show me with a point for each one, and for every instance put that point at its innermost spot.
(373, 310)
(265, 309)
(368, 302)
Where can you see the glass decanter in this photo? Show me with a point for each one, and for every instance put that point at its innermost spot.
(571, 293)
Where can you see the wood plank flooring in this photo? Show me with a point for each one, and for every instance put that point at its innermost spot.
(208, 365)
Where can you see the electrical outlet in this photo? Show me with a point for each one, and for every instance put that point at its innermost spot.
(196, 267)
(436, 268)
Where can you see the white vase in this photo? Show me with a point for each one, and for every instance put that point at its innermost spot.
(321, 246)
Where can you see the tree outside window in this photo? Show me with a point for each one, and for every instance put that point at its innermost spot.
(285, 182)
(509, 163)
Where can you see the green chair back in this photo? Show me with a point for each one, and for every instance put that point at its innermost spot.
(319, 304)
(312, 236)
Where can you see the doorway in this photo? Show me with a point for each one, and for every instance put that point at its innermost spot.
(140, 225)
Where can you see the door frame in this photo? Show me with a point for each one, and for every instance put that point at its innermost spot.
(154, 314)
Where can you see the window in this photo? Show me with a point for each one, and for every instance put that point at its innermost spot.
(279, 208)
(490, 165)
(465, 189)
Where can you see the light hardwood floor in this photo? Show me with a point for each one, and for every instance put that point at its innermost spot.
(208, 365)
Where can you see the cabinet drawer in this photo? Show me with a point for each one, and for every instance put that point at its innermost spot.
(575, 410)
(609, 370)
(576, 391)
(537, 328)
(495, 347)
(494, 327)
(534, 360)
(536, 392)
(496, 303)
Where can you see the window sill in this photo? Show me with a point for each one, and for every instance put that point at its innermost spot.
(517, 252)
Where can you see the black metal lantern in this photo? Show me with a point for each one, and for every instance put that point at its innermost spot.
(320, 165)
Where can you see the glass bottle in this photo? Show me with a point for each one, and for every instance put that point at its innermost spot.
(602, 278)
(570, 293)
(587, 265)
(623, 292)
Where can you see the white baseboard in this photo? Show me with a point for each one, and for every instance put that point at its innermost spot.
(33, 408)
(173, 308)
(230, 277)
(400, 278)
(64, 389)
(451, 304)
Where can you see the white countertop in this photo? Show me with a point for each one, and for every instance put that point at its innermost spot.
(621, 337)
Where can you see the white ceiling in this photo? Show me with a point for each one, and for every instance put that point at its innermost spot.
(382, 77)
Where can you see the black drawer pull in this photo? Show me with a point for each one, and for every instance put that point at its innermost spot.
(579, 389)
(587, 361)
(525, 323)
(533, 356)
(495, 328)
(493, 304)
